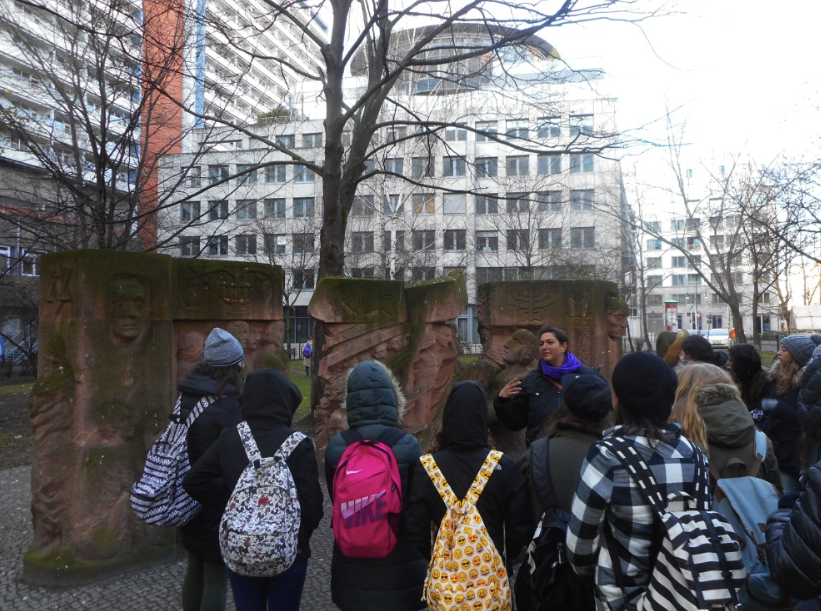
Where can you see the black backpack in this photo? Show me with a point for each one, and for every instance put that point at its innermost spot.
(546, 581)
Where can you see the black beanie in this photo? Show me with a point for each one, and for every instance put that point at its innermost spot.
(645, 385)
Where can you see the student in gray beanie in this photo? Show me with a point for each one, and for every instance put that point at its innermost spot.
(222, 349)
(644, 388)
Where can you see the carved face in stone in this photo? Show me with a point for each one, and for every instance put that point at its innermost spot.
(254, 337)
(128, 309)
(521, 348)
(616, 322)
(241, 330)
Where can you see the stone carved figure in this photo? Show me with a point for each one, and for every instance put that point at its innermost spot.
(127, 309)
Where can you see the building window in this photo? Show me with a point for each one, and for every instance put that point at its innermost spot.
(395, 165)
(393, 204)
(275, 243)
(655, 300)
(549, 164)
(286, 141)
(310, 141)
(304, 279)
(303, 243)
(678, 261)
(362, 205)
(687, 298)
(677, 242)
(654, 281)
(653, 244)
(246, 175)
(488, 274)
(677, 225)
(455, 239)
(693, 279)
(487, 167)
(693, 243)
(193, 176)
(487, 241)
(581, 125)
(453, 166)
(275, 208)
(394, 134)
(421, 167)
(423, 239)
(189, 212)
(275, 174)
(679, 279)
(486, 131)
(516, 129)
(303, 207)
(581, 162)
(217, 173)
(303, 174)
(550, 238)
(456, 133)
(362, 241)
(218, 245)
(368, 170)
(217, 210)
(654, 226)
(453, 203)
(582, 200)
(486, 204)
(517, 203)
(549, 201)
(517, 165)
(424, 203)
(550, 127)
(518, 239)
(189, 246)
(423, 273)
(717, 241)
(692, 224)
(246, 210)
(654, 262)
(245, 245)
(362, 272)
(583, 237)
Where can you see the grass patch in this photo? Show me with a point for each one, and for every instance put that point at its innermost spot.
(297, 375)
(466, 360)
(8, 390)
(767, 358)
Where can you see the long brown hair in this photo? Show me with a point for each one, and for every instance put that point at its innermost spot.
(691, 379)
(786, 373)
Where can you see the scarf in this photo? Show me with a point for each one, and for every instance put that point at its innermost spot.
(571, 364)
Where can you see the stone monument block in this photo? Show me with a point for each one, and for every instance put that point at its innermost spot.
(116, 331)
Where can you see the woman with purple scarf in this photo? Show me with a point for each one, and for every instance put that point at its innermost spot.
(531, 401)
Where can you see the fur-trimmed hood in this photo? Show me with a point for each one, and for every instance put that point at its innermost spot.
(771, 374)
(373, 396)
(728, 421)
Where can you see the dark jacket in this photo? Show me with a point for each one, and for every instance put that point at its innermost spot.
(568, 449)
(731, 433)
(794, 541)
(200, 536)
(782, 424)
(502, 504)
(533, 406)
(269, 401)
(374, 404)
(809, 407)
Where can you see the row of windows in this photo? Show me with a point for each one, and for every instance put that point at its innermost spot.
(247, 174)
(581, 200)
(364, 242)
(522, 129)
(694, 223)
(18, 262)
(653, 281)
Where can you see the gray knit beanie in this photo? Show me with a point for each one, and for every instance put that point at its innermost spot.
(801, 347)
(222, 349)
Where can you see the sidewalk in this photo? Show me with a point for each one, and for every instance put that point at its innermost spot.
(157, 589)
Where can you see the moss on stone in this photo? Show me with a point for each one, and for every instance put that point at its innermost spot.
(55, 559)
(104, 538)
(354, 300)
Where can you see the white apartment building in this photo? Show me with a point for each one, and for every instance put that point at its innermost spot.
(508, 190)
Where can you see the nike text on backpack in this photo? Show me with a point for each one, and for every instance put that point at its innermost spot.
(698, 565)
(367, 495)
(260, 526)
(465, 568)
(746, 502)
(158, 496)
(546, 581)
(307, 351)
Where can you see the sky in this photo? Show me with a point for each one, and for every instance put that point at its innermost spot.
(740, 74)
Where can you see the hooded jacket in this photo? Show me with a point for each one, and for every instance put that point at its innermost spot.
(794, 541)
(200, 536)
(374, 404)
(809, 406)
(268, 403)
(503, 503)
(731, 432)
(782, 423)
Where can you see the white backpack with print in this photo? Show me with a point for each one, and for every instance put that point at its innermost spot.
(260, 526)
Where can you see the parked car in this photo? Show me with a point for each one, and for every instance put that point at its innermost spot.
(719, 338)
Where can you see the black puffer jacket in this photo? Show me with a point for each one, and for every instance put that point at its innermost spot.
(503, 503)
(782, 424)
(200, 536)
(794, 541)
(374, 404)
(809, 407)
(269, 401)
(535, 403)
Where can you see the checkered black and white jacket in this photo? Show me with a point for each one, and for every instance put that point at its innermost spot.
(608, 496)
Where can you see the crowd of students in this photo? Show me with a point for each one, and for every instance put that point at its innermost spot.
(467, 512)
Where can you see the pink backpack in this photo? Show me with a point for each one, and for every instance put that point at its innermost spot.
(367, 496)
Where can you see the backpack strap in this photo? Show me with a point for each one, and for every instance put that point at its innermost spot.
(288, 446)
(760, 452)
(249, 443)
(438, 480)
(491, 460)
(540, 473)
(351, 436)
(390, 436)
(203, 403)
